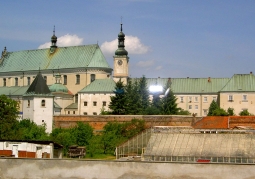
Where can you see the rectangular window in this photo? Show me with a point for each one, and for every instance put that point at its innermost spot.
(190, 99)
(230, 98)
(94, 113)
(245, 98)
(77, 79)
(94, 103)
(65, 80)
(190, 106)
(16, 81)
(85, 113)
(4, 82)
(196, 99)
(28, 81)
(181, 99)
(85, 103)
(28, 103)
(104, 103)
(196, 106)
(205, 112)
(68, 112)
(214, 98)
(73, 112)
(205, 99)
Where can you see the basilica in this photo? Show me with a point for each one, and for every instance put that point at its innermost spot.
(77, 80)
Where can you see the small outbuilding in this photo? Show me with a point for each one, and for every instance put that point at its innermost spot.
(30, 149)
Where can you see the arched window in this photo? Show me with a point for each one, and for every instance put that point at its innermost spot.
(16, 81)
(43, 103)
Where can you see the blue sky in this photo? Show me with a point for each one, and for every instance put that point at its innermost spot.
(164, 38)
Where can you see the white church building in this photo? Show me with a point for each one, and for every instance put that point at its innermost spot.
(77, 80)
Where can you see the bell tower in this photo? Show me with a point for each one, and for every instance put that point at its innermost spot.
(121, 60)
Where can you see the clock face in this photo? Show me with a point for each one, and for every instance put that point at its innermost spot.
(119, 62)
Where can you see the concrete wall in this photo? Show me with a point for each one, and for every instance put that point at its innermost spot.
(99, 121)
(81, 169)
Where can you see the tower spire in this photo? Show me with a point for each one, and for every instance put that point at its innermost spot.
(121, 46)
(53, 41)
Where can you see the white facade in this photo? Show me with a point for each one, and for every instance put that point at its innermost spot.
(23, 149)
(92, 104)
(39, 109)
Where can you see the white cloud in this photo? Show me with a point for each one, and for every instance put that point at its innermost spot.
(63, 41)
(146, 64)
(132, 44)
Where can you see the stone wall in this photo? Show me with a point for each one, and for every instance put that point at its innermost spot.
(98, 121)
(80, 169)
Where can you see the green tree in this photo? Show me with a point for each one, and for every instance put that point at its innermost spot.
(231, 111)
(132, 128)
(169, 105)
(82, 133)
(244, 113)
(29, 130)
(183, 112)
(8, 117)
(133, 98)
(213, 106)
(219, 112)
(144, 94)
(118, 102)
(111, 137)
(95, 145)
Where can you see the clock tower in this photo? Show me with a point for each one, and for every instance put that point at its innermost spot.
(121, 60)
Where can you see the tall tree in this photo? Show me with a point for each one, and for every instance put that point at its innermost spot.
(169, 105)
(213, 106)
(8, 117)
(133, 98)
(144, 94)
(118, 102)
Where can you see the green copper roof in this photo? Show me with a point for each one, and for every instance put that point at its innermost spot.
(100, 86)
(189, 85)
(14, 90)
(240, 82)
(72, 106)
(198, 85)
(89, 56)
(56, 105)
(57, 87)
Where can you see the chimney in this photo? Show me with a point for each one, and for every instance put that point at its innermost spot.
(209, 79)
(251, 72)
(187, 77)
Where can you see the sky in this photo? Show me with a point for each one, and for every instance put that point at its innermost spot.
(164, 38)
